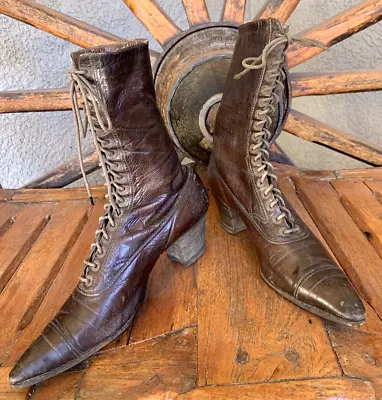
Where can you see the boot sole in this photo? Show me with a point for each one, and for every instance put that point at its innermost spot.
(311, 309)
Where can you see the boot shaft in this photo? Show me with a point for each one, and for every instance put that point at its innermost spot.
(251, 101)
(137, 144)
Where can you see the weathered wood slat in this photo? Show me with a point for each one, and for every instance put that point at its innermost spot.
(8, 214)
(234, 11)
(56, 23)
(6, 391)
(156, 21)
(351, 248)
(337, 29)
(197, 12)
(49, 195)
(62, 387)
(158, 368)
(35, 275)
(286, 185)
(66, 173)
(360, 173)
(323, 389)
(246, 331)
(170, 302)
(310, 129)
(62, 285)
(35, 100)
(20, 237)
(364, 208)
(312, 84)
(280, 9)
(360, 355)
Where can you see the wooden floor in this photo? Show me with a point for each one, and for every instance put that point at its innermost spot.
(212, 331)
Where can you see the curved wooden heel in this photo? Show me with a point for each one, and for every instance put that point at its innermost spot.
(189, 247)
(230, 219)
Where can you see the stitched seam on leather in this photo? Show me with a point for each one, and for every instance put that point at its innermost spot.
(308, 276)
(58, 329)
(50, 344)
(181, 194)
(324, 278)
(303, 245)
(244, 211)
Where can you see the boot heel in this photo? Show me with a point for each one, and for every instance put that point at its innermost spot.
(189, 247)
(230, 219)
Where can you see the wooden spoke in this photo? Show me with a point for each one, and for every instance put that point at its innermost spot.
(54, 22)
(197, 12)
(337, 29)
(157, 22)
(309, 84)
(314, 131)
(66, 173)
(234, 11)
(35, 100)
(280, 9)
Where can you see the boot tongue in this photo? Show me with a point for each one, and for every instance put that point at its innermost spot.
(280, 115)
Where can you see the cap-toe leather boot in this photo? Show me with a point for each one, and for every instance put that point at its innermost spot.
(154, 204)
(253, 110)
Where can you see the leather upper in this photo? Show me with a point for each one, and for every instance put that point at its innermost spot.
(161, 201)
(293, 263)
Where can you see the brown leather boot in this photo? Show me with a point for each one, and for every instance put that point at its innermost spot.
(254, 107)
(154, 205)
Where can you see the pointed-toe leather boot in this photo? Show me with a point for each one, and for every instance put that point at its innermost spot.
(154, 204)
(254, 107)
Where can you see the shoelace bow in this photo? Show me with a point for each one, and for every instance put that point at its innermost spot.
(97, 120)
(267, 182)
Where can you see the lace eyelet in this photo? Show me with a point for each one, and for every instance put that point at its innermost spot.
(276, 221)
(89, 281)
(96, 268)
(264, 196)
(259, 184)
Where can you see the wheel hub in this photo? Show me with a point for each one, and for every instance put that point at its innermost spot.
(189, 80)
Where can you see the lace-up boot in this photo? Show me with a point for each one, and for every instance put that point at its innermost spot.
(254, 107)
(153, 204)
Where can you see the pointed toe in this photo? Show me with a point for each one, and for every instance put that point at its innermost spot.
(334, 297)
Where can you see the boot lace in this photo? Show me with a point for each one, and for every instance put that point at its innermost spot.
(97, 120)
(260, 140)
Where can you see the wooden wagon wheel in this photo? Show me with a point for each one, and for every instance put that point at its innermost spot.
(190, 72)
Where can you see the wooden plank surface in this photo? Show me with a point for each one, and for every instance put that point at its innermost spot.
(155, 368)
(246, 331)
(153, 17)
(56, 23)
(62, 387)
(36, 273)
(53, 195)
(280, 9)
(354, 252)
(307, 128)
(288, 189)
(170, 302)
(360, 354)
(313, 84)
(234, 11)
(6, 391)
(20, 237)
(8, 213)
(62, 286)
(364, 208)
(336, 29)
(196, 11)
(322, 389)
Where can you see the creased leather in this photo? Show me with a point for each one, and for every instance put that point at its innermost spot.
(163, 200)
(295, 264)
